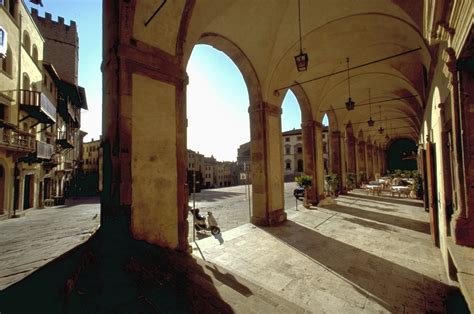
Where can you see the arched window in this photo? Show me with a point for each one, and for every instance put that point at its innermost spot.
(27, 42)
(288, 165)
(6, 63)
(35, 54)
(26, 82)
(300, 165)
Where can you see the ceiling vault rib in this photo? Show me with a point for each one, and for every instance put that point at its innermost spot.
(374, 102)
(276, 91)
(398, 118)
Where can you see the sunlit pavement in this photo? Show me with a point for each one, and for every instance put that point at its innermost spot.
(230, 205)
(41, 235)
(363, 254)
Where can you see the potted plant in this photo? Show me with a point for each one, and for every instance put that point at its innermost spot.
(333, 184)
(350, 181)
(306, 182)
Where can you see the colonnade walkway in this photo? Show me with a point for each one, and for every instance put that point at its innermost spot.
(363, 254)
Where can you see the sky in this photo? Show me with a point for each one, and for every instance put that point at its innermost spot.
(88, 16)
(217, 98)
(217, 105)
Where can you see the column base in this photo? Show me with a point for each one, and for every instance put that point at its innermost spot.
(463, 231)
(275, 218)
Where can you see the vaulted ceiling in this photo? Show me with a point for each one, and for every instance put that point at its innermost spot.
(265, 33)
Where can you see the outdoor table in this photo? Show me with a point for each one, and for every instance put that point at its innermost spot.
(374, 188)
(399, 189)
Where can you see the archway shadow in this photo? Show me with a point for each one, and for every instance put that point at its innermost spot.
(401, 222)
(386, 199)
(393, 286)
(112, 272)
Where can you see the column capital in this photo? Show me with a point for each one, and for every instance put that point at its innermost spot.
(265, 107)
(308, 124)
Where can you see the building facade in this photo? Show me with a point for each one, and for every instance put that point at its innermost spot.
(37, 110)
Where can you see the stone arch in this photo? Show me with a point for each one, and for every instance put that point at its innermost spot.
(265, 134)
(243, 63)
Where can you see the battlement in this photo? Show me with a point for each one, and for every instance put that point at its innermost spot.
(68, 33)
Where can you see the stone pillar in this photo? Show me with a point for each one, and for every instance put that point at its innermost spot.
(144, 141)
(21, 193)
(375, 153)
(309, 158)
(361, 161)
(351, 154)
(335, 153)
(343, 178)
(267, 172)
(462, 117)
(318, 135)
(370, 164)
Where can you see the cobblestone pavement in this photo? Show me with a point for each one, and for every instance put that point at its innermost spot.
(41, 235)
(363, 254)
(230, 206)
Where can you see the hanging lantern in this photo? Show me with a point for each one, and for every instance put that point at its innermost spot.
(350, 105)
(370, 122)
(302, 59)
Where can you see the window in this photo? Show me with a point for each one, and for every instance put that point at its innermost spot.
(300, 150)
(300, 165)
(35, 54)
(3, 109)
(3, 42)
(27, 42)
(287, 150)
(6, 63)
(298, 138)
(288, 165)
(287, 139)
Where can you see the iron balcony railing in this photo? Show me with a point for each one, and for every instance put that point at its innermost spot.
(44, 150)
(38, 100)
(17, 140)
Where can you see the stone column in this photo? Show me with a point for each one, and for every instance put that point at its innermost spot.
(21, 193)
(376, 161)
(309, 158)
(144, 139)
(461, 113)
(335, 153)
(267, 172)
(361, 161)
(370, 164)
(351, 154)
(318, 135)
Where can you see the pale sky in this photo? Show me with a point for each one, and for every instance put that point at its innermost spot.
(88, 16)
(218, 120)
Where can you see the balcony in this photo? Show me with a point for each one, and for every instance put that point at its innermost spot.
(15, 140)
(65, 140)
(38, 106)
(44, 150)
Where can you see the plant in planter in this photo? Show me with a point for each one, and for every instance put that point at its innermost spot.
(306, 182)
(332, 183)
(418, 184)
(350, 181)
(362, 178)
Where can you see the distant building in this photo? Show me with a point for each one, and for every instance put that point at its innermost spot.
(293, 164)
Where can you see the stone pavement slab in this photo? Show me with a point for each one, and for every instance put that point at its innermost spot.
(358, 255)
(41, 235)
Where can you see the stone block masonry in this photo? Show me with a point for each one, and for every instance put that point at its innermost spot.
(62, 45)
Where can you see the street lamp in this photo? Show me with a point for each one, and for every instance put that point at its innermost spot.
(301, 59)
(350, 105)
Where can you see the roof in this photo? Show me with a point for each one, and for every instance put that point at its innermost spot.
(292, 132)
(76, 92)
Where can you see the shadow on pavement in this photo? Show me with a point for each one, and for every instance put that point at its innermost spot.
(113, 273)
(369, 224)
(394, 287)
(401, 222)
(387, 199)
(214, 195)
